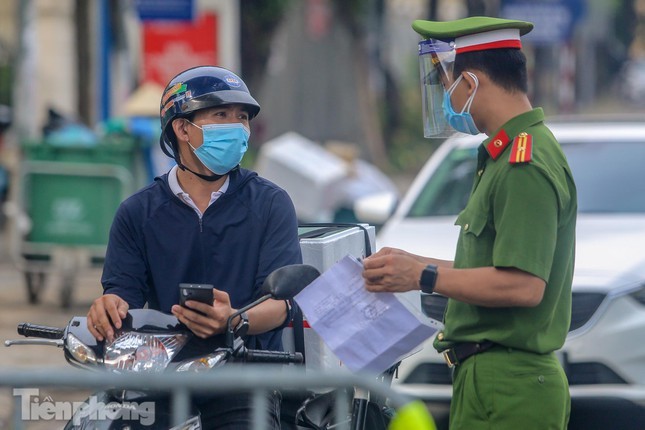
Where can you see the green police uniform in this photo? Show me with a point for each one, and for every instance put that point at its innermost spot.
(521, 214)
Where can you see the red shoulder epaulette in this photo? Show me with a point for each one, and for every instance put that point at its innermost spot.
(521, 149)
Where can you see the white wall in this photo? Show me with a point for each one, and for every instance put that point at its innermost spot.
(44, 46)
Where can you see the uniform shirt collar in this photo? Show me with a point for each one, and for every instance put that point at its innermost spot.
(497, 142)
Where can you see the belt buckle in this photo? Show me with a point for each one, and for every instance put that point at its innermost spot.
(450, 358)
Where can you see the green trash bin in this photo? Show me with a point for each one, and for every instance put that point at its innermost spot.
(70, 194)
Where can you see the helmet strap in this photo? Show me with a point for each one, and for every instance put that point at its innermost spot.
(164, 147)
(209, 178)
(175, 156)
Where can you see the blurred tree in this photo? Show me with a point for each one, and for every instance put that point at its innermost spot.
(398, 102)
(82, 20)
(6, 74)
(625, 23)
(364, 20)
(259, 20)
(354, 12)
(385, 120)
(432, 10)
(477, 7)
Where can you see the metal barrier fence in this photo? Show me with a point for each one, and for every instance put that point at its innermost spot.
(230, 378)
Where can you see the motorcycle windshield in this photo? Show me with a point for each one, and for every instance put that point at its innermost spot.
(151, 321)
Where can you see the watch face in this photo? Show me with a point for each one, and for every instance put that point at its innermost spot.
(243, 326)
(428, 279)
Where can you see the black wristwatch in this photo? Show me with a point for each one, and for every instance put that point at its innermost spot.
(428, 279)
(242, 326)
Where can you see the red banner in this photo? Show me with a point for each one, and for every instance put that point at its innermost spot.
(171, 47)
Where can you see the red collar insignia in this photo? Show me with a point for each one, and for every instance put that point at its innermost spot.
(497, 144)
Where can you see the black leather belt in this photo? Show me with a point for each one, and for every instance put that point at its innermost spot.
(461, 351)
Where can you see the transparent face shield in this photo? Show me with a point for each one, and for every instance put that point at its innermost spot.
(436, 61)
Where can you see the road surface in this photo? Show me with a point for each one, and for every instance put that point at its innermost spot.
(15, 309)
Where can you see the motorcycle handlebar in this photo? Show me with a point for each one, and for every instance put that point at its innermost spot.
(261, 356)
(34, 330)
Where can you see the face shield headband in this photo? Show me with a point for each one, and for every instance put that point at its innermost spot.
(436, 62)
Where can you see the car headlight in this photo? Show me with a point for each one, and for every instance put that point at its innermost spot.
(143, 352)
(203, 363)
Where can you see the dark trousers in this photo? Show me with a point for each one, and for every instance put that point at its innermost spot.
(235, 411)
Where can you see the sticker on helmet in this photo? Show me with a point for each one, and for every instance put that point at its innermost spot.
(166, 107)
(232, 80)
(178, 88)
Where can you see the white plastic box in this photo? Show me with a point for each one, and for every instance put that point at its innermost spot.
(310, 174)
(322, 247)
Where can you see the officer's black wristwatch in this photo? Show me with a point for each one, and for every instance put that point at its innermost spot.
(242, 326)
(428, 279)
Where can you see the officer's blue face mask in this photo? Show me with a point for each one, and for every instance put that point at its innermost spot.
(223, 146)
(462, 121)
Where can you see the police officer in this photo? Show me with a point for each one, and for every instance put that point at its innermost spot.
(207, 221)
(509, 287)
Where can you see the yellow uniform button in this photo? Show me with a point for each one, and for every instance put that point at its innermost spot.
(466, 227)
(440, 336)
(498, 143)
(480, 172)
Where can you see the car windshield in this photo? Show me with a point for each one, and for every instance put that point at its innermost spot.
(447, 191)
(610, 177)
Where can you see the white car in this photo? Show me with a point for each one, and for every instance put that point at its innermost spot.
(604, 354)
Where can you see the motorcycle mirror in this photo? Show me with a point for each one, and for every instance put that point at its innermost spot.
(284, 283)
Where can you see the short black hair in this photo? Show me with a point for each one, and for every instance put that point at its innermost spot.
(505, 67)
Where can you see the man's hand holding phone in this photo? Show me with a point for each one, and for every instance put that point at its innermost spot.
(198, 292)
(202, 309)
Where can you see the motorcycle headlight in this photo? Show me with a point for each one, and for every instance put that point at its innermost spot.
(81, 352)
(143, 352)
(203, 363)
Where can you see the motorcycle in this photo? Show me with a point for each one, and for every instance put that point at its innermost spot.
(319, 410)
(150, 341)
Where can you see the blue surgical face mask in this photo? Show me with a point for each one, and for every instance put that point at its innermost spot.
(223, 146)
(462, 121)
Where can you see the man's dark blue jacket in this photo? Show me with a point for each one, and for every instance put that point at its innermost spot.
(157, 242)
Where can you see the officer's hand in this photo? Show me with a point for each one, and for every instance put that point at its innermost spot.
(205, 320)
(392, 270)
(106, 313)
(395, 251)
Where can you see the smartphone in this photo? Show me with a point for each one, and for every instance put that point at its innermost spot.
(198, 292)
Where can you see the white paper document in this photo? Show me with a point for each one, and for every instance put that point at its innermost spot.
(368, 331)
